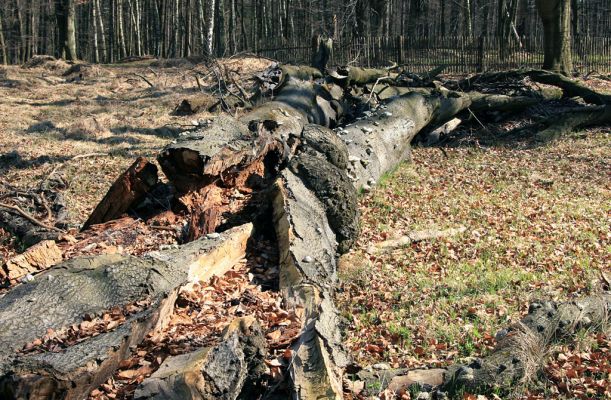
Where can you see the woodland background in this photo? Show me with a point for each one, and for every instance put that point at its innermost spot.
(111, 30)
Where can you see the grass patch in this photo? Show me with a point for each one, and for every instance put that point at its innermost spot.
(537, 227)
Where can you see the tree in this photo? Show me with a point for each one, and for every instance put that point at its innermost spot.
(66, 15)
(556, 18)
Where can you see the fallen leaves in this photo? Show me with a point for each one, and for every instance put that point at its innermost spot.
(434, 302)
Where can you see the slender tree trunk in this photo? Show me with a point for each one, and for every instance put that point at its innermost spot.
(468, 19)
(210, 27)
(94, 17)
(232, 27)
(120, 30)
(556, 18)
(220, 27)
(201, 23)
(2, 42)
(187, 39)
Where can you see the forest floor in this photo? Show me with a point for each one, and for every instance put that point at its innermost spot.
(538, 227)
(537, 218)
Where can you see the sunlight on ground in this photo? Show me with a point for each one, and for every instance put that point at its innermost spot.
(537, 227)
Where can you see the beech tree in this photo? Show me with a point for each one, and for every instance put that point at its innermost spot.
(66, 23)
(556, 17)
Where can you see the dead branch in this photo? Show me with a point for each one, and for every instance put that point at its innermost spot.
(30, 218)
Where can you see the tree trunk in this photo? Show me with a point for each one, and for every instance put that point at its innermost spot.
(94, 34)
(66, 23)
(556, 18)
(210, 18)
(2, 42)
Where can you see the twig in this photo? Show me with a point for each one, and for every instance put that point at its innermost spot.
(144, 79)
(29, 217)
(199, 85)
(373, 89)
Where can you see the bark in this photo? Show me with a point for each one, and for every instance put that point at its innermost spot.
(2, 42)
(556, 18)
(347, 76)
(307, 248)
(571, 87)
(516, 358)
(66, 16)
(126, 192)
(380, 142)
(223, 371)
(554, 128)
(321, 52)
(28, 232)
(68, 293)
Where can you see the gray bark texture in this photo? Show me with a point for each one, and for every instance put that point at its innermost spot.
(64, 295)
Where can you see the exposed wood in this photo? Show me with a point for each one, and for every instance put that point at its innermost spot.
(435, 135)
(66, 294)
(307, 271)
(35, 259)
(127, 190)
(219, 372)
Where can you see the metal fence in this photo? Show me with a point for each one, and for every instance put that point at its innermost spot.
(459, 54)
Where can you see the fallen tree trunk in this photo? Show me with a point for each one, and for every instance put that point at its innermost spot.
(570, 86)
(85, 287)
(307, 275)
(377, 144)
(516, 358)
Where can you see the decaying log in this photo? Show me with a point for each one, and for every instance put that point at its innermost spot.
(300, 102)
(335, 191)
(378, 143)
(88, 286)
(516, 357)
(35, 259)
(127, 190)
(275, 77)
(570, 86)
(224, 371)
(482, 102)
(23, 228)
(553, 128)
(307, 248)
(347, 76)
(193, 105)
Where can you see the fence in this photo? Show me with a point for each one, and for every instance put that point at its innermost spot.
(459, 54)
